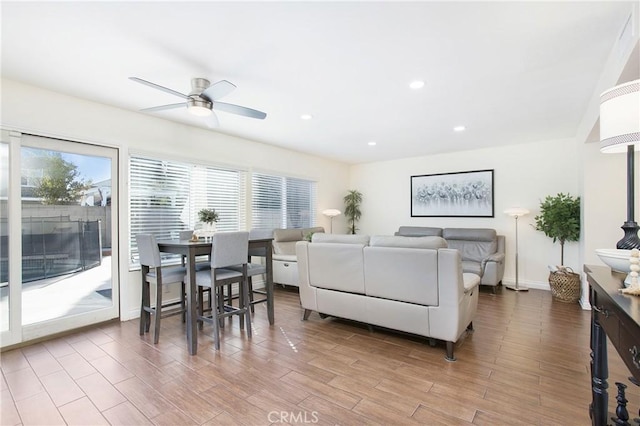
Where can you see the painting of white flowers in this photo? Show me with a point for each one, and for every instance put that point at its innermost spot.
(461, 194)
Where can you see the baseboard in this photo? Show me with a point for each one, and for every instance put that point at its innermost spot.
(585, 304)
(536, 285)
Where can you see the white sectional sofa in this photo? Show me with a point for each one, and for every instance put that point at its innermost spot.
(411, 284)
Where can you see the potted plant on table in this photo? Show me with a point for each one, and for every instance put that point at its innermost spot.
(352, 202)
(208, 218)
(559, 219)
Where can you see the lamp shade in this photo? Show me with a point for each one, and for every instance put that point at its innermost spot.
(620, 118)
(331, 212)
(516, 211)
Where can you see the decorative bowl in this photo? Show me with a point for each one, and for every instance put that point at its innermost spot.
(616, 259)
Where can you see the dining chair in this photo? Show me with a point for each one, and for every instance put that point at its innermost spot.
(201, 264)
(254, 269)
(154, 273)
(227, 249)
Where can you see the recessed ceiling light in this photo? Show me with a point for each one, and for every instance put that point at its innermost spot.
(417, 84)
(306, 116)
(459, 129)
(371, 143)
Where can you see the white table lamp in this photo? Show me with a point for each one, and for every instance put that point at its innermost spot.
(620, 132)
(516, 212)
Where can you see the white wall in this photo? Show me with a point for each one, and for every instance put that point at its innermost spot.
(34, 110)
(523, 176)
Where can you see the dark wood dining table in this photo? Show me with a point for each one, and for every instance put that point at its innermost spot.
(191, 249)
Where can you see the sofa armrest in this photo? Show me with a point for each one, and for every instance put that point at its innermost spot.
(285, 257)
(493, 269)
(495, 257)
(470, 282)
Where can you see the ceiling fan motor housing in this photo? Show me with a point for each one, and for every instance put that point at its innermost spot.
(198, 85)
(196, 103)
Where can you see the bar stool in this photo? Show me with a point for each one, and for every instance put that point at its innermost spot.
(154, 273)
(228, 249)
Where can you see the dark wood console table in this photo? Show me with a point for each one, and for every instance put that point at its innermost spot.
(617, 317)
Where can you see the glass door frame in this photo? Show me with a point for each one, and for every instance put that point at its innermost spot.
(17, 332)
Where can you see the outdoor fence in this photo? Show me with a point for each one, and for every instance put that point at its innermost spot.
(53, 246)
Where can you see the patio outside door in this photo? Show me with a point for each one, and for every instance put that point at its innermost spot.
(58, 229)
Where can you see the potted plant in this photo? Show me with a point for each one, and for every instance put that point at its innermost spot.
(208, 218)
(559, 219)
(352, 202)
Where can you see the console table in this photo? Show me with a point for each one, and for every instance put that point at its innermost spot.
(617, 317)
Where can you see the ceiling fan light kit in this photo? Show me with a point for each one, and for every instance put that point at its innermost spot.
(199, 107)
(202, 99)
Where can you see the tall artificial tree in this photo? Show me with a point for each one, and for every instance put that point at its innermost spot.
(559, 219)
(352, 212)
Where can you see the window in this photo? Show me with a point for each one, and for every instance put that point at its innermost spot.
(167, 195)
(282, 202)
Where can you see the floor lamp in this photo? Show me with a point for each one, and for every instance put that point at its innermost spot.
(516, 212)
(620, 132)
(331, 213)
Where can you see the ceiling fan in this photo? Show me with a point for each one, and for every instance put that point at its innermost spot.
(203, 99)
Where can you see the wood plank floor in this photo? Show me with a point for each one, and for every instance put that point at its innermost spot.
(526, 363)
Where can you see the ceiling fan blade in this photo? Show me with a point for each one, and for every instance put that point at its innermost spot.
(212, 121)
(240, 110)
(157, 86)
(163, 107)
(218, 90)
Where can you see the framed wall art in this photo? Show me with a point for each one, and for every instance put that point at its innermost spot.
(459, 194)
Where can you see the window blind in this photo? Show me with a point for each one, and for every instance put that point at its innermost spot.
(166, 197)
(282, 202)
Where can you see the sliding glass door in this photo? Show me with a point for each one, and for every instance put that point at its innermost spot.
(62, 224)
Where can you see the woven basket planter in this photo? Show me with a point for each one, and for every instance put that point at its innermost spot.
(565, 285)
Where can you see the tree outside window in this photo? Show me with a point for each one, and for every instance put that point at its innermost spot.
(61, 182)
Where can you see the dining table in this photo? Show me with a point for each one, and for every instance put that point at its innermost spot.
(191, 249)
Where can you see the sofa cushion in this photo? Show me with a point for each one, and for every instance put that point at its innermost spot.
(469, 234)
(284, 235)
(474, 251)
(307, 231)
(408, 242)
(419, 231)
(284, 241)
(340, 238)
(472, 267)
(403, 274)
(474, 244)
(336, 266)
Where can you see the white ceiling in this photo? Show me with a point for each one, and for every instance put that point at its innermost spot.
(511, 72)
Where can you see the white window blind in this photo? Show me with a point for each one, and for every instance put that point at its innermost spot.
(166, 197)
(282, 202)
